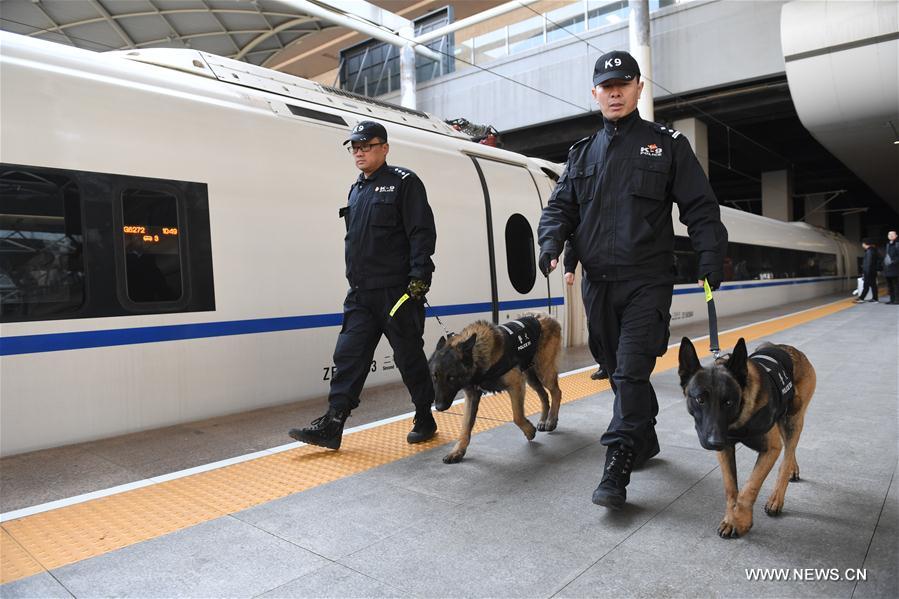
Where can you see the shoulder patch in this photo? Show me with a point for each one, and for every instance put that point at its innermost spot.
(580, 142)
(674, 133)
(403, 173)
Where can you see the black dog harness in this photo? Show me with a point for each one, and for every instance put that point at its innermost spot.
(521, 339)
(777, 368)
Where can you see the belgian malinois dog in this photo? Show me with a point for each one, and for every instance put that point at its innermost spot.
(754, 400)
(487, 357)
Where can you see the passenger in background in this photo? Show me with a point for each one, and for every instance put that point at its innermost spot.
(869, 272)
(388, 247)
(570, 261)
(891, 266)
(616, 196)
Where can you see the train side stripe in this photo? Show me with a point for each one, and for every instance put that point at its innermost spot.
(49, 342)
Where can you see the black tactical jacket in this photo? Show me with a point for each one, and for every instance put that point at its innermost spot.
(615, 197)
(390, 234)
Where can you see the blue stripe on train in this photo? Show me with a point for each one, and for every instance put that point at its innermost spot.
(28, 344)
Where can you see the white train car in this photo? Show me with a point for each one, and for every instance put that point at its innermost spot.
(170, 247)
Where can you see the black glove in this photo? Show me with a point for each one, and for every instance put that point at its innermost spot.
(544, 262)
(714, 278)
(417, 289)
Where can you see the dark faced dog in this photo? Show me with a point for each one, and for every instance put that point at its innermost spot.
(487, 357)
(758, 400)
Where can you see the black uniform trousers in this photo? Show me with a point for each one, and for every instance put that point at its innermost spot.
(593, 341)
(366, 316)
(893, 286)
(631, 321)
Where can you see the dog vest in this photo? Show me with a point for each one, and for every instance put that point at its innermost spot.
(777, 376)
(521, 339)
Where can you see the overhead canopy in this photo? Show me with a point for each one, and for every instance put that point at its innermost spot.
(842, 61)
(252, 31)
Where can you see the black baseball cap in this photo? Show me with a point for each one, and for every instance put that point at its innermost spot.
(615, 65)
(366, 131)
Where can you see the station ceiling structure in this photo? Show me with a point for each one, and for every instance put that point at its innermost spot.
(250, 30)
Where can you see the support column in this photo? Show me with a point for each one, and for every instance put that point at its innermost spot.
(638, 34)
(698, 134)
(815, 207)
(777, 195)
(407, 70)
(852, 227)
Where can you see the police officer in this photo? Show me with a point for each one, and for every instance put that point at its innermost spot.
(388, 246)
(615, 196)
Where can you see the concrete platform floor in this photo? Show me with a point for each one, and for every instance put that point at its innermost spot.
(515, 518)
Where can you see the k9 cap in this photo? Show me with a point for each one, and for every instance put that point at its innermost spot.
(615, 65)
(366, 131)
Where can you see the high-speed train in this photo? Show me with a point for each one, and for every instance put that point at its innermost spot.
(171, 250)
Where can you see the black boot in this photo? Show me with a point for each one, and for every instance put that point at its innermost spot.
(612, 491)
(599, 374)
(652, 449)
(326, 431)
(424, 427)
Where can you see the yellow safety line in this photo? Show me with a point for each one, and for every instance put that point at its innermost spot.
(66, 535)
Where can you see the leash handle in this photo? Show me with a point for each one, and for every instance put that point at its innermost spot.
(713, 320)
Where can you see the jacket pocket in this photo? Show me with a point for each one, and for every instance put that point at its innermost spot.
(344, 213)
(582, 179)
(652, 179)
(383, 214)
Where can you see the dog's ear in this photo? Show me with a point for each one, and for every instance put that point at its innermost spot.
(441, 342)
(467, 346)
(737, 363)
(688, 362)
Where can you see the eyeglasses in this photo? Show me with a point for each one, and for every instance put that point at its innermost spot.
(364, 148)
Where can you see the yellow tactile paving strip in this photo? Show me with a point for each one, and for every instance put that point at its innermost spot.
(67, 535)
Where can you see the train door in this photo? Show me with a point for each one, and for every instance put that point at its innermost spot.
(513, 210)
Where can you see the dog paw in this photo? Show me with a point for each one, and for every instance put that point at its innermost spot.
(551, 425)
(726, 530)
(530, 432)
(732, 528)
(795, 477)
(453, 458)
(541, 426)
(774, 507)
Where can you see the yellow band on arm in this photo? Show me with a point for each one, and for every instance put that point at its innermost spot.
(398, 303)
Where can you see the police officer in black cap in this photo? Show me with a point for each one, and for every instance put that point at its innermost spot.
(616, 197)
(389, 243)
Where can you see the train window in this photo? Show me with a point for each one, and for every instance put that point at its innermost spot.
(41, 249)
(747, 262)
(152, 245)
(520, 253)
(316, 114)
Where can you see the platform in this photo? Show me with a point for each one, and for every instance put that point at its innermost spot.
(381, 518)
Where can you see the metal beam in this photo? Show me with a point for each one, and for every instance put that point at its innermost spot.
(112, 22)
(272, 32)
(360, 25)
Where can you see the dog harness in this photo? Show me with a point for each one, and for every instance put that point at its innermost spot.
(521, 339)
(777, 376)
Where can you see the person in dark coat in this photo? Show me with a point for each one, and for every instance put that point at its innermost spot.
(616, 197)
(570, 262)
(891, 266)
(389, 242)
(869, 272)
